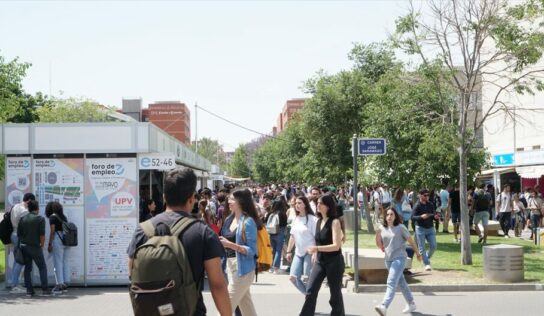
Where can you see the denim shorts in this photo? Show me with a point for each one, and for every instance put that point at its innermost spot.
(456, 218)
(481, 216)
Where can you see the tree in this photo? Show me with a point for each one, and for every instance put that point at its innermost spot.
(73, 110)
(11, 87)
(463, 45)
(238, 166)
(211, 150)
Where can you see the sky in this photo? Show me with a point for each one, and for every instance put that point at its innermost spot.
(241, 60)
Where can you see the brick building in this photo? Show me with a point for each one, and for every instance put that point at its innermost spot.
(291, 107)
(172, 117)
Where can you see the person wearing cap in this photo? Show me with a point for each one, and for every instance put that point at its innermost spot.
(18, 212)
(423, 214)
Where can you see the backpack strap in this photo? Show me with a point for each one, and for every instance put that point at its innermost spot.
(148, 228)
(181, 225)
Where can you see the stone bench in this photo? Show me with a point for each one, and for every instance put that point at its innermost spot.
(493, 228)
(372, 268)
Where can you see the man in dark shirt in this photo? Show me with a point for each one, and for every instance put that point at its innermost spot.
(423, 214)
(31, 234)
(201, 244)
(455, 202)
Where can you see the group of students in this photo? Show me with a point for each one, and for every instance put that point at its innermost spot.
(29, 238)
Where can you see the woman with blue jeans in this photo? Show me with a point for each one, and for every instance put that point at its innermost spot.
(278, 214)
(302, 237)
(391, 238)
(55, 213)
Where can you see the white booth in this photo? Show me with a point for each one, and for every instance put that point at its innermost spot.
(94, 170)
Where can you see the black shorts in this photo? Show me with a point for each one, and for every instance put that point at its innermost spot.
(456, 218)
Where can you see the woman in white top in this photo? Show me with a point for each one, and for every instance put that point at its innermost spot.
(302, 237)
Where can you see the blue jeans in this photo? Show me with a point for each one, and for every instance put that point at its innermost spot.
(396, 278)
(301, 266)
(428, 234)
(17, 268)
(277, 246)
(406, 216)
(535, 223)
(60, 261)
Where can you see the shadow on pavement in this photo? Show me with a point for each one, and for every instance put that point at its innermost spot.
(73, 293)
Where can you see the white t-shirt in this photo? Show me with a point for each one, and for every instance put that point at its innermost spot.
(386, 196)
(506, 206)
(303, 230)
(18, 211)
(360, 198)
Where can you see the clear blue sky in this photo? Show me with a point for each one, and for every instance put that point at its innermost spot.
(239, 59)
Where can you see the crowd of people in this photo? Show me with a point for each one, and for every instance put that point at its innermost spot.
(29, 238)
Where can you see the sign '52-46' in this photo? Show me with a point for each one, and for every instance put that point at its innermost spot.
(156, 161)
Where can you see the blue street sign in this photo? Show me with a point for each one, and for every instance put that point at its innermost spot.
(503, 160)
(371, 146)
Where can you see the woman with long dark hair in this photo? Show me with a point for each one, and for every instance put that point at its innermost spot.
(55, 213)
(302, 237)
(276, 222)
(329, 261)
(239, 237)
(391, 238)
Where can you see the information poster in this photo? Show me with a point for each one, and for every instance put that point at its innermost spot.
(111, 204)
(61, 180)
(18, 180)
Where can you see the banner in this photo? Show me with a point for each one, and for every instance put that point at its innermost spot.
(111, 203)
(61, 180)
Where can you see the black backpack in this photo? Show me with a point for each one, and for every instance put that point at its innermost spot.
(69, 231)
(6, 228)
(482, 202)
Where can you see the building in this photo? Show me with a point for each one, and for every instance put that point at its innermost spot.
(172, 117)
(291, 107)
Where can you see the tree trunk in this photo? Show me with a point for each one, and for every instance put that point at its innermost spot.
(466, 250)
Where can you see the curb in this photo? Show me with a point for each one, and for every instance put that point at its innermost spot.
(452, 288)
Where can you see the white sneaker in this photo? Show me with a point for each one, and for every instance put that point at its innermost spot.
(381, 309)
(506, 236)
(428, 267)
(18, 290)
(410, 308)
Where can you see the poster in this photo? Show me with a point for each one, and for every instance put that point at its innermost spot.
(111, 204)
(18, 182)
(61, 180)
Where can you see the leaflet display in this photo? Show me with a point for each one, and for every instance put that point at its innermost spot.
(61, 180)
(111, 203)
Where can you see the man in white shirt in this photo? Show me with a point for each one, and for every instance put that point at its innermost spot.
(18, 212)
(504, 205)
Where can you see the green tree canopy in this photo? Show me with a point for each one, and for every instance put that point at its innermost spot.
(73, 110)
(238, 165)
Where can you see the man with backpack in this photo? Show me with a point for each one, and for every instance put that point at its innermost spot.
(482, 201)
(18, 212)
(196, 249)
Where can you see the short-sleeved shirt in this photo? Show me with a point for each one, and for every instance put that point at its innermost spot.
(455, 201)
(394, 239)
(444, 196)
(506, 205)
(30, 228)
(303, 230)
(54, 220)
(18, 211)
(200, 243)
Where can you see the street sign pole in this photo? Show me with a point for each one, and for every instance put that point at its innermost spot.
(355, 219)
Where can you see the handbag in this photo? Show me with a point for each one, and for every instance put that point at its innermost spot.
(406, 206)
(272, 224)
(18, 254)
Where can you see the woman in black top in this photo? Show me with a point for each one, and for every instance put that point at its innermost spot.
(327, 255)
(54, 212)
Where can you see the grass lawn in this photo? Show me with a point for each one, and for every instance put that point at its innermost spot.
(447, 258)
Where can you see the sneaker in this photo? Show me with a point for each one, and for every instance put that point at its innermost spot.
(30, 294)
(506, 236)
(17, 290)
(428, 267)
(410, 308)
(381, 309)
(47, 292)
(480, 239)
(64, 288)
(57, 290)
